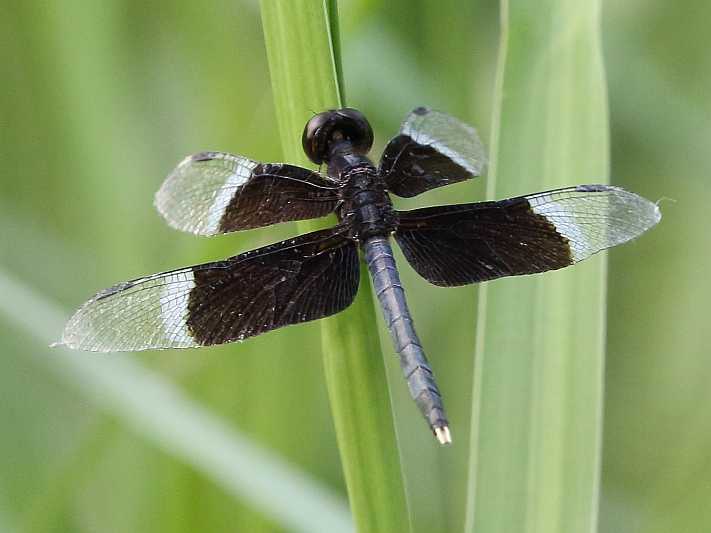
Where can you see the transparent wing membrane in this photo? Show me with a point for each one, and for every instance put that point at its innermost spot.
(148, 312)
(595, 217)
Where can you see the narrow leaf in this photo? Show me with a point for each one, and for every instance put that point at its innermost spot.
(304, 65)
(536, 424)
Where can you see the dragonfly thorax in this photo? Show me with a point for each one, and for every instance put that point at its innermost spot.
(365, 203)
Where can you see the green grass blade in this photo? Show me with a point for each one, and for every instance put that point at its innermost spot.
(536, 424)
(335, 28)
(161, 414)
(304, 70)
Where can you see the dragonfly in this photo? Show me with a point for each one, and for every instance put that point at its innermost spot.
(315, 275)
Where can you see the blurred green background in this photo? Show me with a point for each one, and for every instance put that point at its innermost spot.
(100, 100)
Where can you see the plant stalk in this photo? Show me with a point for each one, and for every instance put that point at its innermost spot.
(305, 70)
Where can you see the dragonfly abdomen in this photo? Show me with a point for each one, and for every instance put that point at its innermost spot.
(414, 364)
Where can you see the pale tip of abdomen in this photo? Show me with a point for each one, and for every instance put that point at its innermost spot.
(443, 435)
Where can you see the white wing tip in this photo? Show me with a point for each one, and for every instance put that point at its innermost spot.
(72, 337)
(657, 215)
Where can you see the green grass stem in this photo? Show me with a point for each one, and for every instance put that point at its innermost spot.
(302, 47)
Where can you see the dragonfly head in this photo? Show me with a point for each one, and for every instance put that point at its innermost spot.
(333, 127)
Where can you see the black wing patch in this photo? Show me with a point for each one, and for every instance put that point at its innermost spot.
(309, 277)
(432, 150)
(213, 192)
(461, 244)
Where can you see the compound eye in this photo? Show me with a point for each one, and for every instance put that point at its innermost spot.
(313, 139)
(334, 126)
(356, 128)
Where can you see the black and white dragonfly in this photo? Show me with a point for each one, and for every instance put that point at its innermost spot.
(316, 275)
